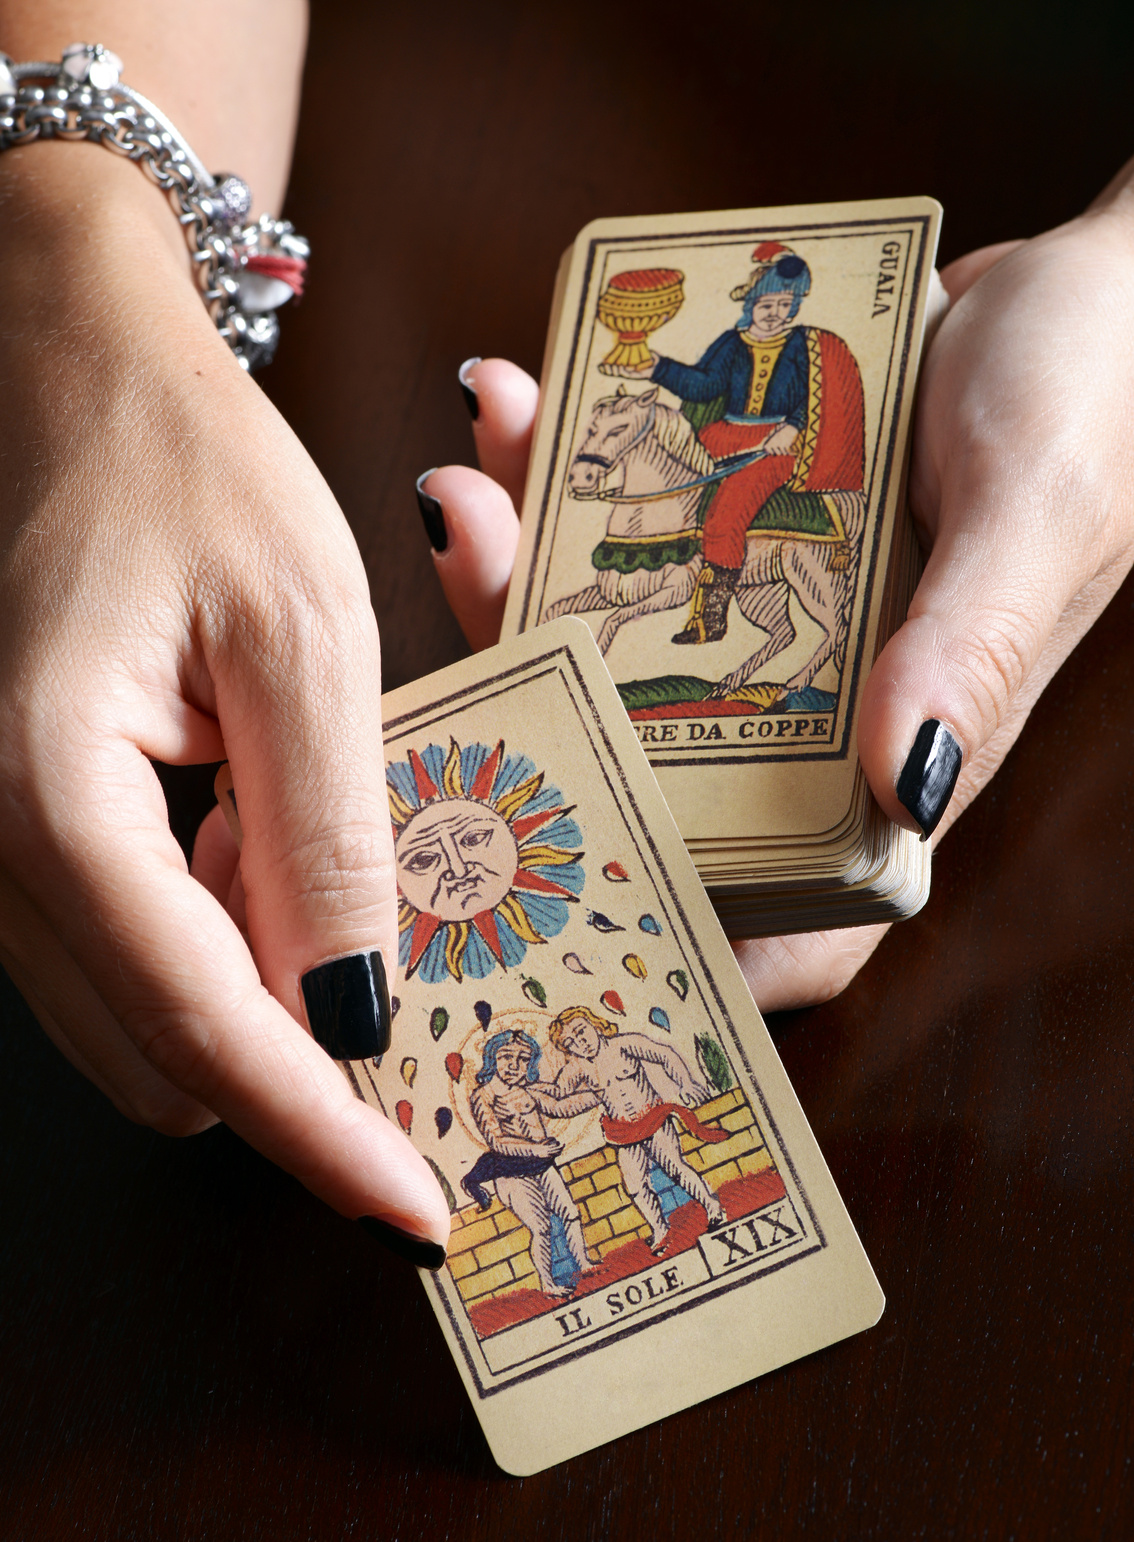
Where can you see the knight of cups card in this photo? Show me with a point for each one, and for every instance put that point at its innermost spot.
(640, 1215)
(717, 470)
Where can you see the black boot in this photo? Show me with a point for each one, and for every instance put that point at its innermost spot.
(708, 609)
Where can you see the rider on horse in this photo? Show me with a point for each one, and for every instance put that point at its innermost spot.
(793, 394)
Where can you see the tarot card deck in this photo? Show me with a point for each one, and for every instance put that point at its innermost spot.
(717, 487)
(641, 1216)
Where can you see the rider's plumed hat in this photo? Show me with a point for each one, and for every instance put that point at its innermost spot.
(776, 270)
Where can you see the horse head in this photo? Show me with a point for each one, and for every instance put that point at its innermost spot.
(617, 424)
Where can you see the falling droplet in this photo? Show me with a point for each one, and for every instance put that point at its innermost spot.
(404, 1112)
(713, 1061)
(602, 923)
(409, 1070)
(614, 872)
(534, 991)
(575, 964)
(438, 1021)
(483, 1013)
(659, 1018)
(634, 965)
(443, 1118)
(612, 1001)
(395, 1007)
(678, 982)
(649, 924)
(455, 1064)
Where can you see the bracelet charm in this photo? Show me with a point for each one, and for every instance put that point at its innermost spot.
(244, 271)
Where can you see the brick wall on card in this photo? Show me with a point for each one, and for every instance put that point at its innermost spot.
(490, 1250)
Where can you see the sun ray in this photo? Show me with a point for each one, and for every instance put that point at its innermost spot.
(548, 856)
(400, 810)
(517, 918)
(425, 929)
(528, 824)
(485, 778)
(451, 779)
(485, 924)
(455, 945)
(426, 786)
(509, 803)
(540, 885)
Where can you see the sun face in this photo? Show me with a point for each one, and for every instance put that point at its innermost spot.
(487, 859)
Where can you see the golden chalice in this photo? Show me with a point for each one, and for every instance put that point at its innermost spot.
(633, 305)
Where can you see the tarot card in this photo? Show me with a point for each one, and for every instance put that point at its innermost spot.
(641, 1216)
(715, 480)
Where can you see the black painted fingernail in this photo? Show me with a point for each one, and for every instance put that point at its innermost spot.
(929, 775)
(418, 1250)
(431, 515)
(348, 1006)
(468, 390)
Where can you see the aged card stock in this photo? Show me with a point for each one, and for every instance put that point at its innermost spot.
(641, 1216)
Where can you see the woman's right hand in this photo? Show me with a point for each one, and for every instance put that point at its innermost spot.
(177, 583)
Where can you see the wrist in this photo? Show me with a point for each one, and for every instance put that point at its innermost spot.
(87, 240)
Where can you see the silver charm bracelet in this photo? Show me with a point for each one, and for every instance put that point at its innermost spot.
(244, 271)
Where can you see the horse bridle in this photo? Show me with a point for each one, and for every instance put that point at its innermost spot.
(606, 464)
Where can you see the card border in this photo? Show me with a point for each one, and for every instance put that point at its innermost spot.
(553, 662)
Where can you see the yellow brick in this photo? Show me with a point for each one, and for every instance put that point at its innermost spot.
(718, 1175)
(626, 1220)
(580, 1188)
(755, 1161)
(698, 1159)
(484, 1280)
(470, 1235)
(739, 1119)
(597, 1232)
(461, 1264)
(688, 1142)
(724, 1103)
(604, 1203)
(529, 1281)
(608, 1177)
(591, 1163)
(489, 1253)
(727, 1150)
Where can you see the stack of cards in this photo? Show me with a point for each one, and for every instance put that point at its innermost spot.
(717, 487)
(641, 1216)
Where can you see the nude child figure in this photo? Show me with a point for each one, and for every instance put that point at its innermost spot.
(509, 1112)
(633, 1078)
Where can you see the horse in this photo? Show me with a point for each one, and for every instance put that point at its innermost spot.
(646, 460)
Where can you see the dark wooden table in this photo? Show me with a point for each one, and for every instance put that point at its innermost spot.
(190, 1345)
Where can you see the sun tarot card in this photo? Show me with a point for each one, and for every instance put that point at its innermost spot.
(716, 475)
(641, 1216)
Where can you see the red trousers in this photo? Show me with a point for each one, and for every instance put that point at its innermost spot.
(740, 497)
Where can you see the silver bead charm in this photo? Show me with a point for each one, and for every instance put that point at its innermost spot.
(90, 64)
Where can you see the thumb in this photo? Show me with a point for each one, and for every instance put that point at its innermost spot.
(298, 696)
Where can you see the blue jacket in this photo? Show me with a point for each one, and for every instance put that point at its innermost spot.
(725, 369)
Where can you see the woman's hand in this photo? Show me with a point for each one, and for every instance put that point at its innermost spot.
(1022, 488)
(177, 582)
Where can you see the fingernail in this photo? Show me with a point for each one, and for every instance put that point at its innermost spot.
(431, 515)
(348, 1006)
(417, 1250)
(929, 775)
(468, 390)
(226, 797)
